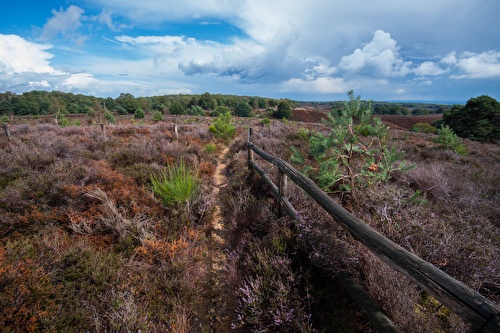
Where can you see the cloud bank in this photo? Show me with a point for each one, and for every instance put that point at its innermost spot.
(315, 50)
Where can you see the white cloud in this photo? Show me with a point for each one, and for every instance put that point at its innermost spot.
(450, 59)
(429, 68)
(65, 23)
(380, 57)
(485, 65)
(44, 84)
(18, 55)
(106, 18)
(322, 85)
(282, 46)
(79, 81)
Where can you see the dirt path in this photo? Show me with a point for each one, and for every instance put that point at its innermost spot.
(219, 312)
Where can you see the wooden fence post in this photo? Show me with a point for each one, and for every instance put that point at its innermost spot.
(103, 130)
(282, 190)
(7, 131)
(175, 131)
(249, 150)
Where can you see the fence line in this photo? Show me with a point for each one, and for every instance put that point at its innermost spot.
(483, 314)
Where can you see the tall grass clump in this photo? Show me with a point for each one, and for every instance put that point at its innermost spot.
(176, 185)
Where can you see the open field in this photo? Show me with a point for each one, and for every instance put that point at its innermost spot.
(86, 245)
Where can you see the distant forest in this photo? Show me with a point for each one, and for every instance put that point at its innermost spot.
(60, 103)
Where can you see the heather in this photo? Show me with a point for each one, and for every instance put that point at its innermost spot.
(88, 244)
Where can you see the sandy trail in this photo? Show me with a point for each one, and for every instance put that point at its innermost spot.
(220, 321)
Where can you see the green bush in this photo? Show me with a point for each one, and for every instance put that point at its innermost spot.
(4, 119)
(284, 110)
(176, 108)
(449, 140)
(222, 128)
(176, 186)
(266, 122)
(109, 117)
(157, 116)
(210, 148)
(477, 120)
(243, 109)
(195, 111)
(221, 109)
(139, 114)
(424, 128)
(303, 133)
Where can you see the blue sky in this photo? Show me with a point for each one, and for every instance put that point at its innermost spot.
(428, 50)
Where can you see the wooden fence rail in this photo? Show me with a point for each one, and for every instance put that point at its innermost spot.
(483, 314)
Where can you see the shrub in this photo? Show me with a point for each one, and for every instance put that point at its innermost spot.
(266, 122)
(303, 133)
(284, 110)
(424, 128)
(210, 148)
(176, 108)
(157, 116)
(109, 117)
(242, 109)
(222, 128)
(139, 114)
(221, 109)
(195, 111)
(478, 119)
(4, 119)
(448, 139)
(176, 186)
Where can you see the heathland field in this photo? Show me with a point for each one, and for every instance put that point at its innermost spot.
(159, 226)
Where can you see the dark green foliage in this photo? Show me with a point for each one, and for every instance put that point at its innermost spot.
(195, 110)
(120, 110)
(128, 102)
(220, 110)
(207, 101)
(389, 108)
(242, 109)
(284, 110)
(139, 114)
(477, 120)
(176, 108)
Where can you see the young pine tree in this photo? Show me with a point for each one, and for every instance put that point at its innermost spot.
(354, 153)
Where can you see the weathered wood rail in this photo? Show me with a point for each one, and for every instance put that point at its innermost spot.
(480, 312)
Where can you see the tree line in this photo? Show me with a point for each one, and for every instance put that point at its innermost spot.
(60, 103)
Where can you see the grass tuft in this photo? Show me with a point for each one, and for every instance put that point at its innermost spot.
(176, 186)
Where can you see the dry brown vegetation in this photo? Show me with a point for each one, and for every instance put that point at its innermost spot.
(86, 246)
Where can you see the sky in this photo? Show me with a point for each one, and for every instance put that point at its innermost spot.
(315, 50)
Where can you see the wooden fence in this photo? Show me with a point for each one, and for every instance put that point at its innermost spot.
(483, 314)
